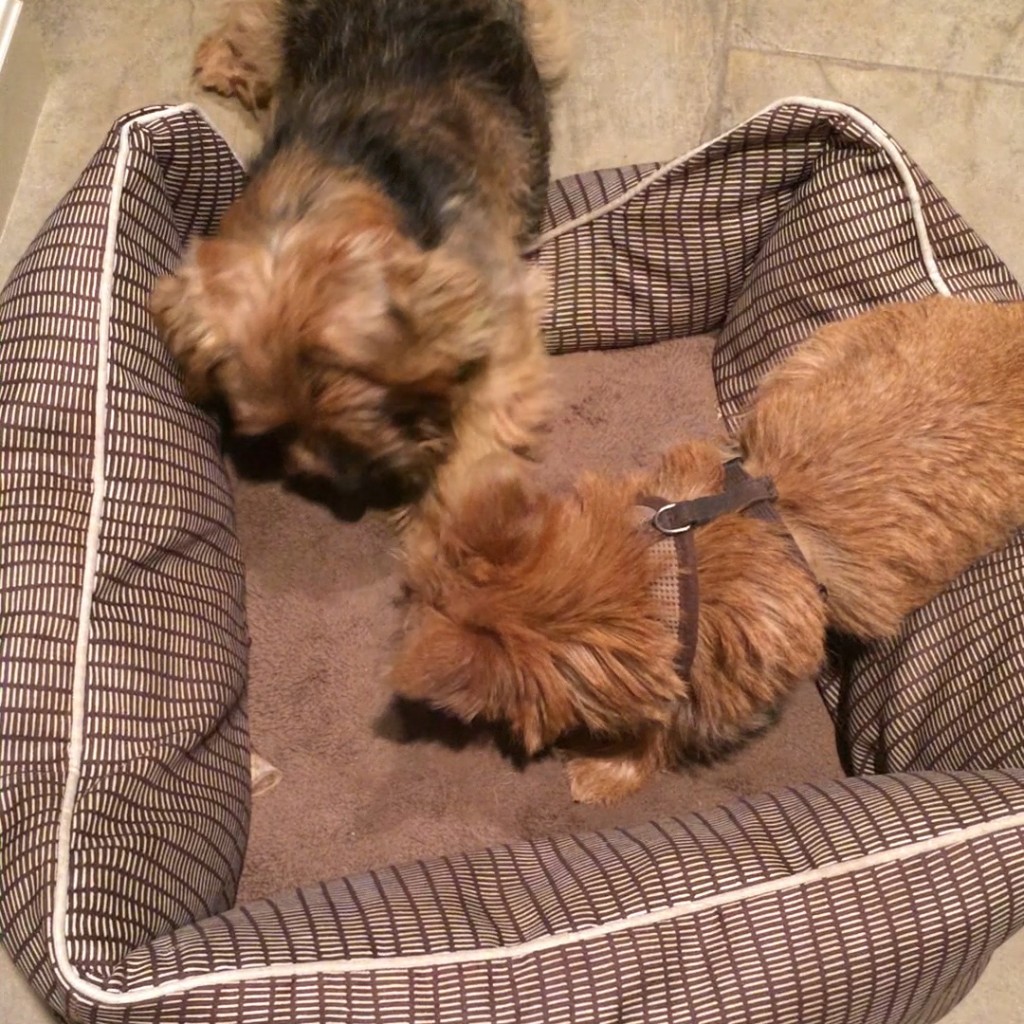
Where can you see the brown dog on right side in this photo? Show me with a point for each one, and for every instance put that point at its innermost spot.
(891, 448)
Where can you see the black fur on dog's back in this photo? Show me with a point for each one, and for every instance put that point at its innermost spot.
(364, 300)
(377, 84)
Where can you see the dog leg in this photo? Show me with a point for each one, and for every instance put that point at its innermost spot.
(242, 58)
(611, 774)
(547, 29)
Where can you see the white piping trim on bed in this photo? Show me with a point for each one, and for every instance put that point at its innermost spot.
(382, 965)
(76, 737)
(87, 990)
(875, 130)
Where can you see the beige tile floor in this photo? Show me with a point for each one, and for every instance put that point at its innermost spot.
(652, 79)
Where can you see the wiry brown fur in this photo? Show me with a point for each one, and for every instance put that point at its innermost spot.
(896, 443)
(364, 299)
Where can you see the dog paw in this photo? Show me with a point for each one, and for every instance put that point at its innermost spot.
(220, 68)
(215, 65)
(605, 780)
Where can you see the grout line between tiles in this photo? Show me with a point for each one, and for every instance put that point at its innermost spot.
(724, 46)
(866, 65)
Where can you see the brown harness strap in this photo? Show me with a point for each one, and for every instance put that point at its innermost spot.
(689, 590)
(677, 520)
(741, 493)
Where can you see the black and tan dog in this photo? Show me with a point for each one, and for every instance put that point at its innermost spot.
(364, 299)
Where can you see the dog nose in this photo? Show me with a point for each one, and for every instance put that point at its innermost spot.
(386, 487)
(349, 477)
(343, 465)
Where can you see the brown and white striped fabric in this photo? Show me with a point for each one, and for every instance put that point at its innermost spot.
(123, 741)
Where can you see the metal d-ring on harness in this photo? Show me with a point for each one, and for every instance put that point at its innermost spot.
(741, 493)
(677, 519)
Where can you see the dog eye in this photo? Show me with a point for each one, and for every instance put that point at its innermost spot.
(421, 418)
(282, 436)
(467, 371)
(407, 420)
(416, 424)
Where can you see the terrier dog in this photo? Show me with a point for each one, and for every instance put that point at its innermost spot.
(364, 301)
(645, 622)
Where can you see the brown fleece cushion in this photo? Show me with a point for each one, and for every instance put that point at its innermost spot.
(367, 781)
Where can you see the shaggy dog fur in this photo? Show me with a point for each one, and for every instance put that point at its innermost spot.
(364, 301)
(896, 444)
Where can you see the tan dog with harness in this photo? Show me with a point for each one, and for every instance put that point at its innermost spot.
(644, 622)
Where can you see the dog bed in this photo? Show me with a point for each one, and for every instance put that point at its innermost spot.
(124, 753)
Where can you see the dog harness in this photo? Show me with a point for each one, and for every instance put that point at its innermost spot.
(677, 589)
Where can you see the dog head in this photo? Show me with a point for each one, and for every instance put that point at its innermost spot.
(535, 611)
(313, 317)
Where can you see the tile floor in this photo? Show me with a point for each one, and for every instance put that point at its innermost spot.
(652, 79)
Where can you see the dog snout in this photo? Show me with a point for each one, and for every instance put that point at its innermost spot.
(378, 482)
(387, 486)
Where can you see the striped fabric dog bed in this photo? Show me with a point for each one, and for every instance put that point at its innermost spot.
(124, 776)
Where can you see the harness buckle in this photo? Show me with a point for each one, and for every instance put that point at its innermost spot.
(666, 528)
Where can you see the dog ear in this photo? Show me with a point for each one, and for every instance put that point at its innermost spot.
(498, 512)
(174, 308)
(215, 285)
(405, 315)
(478, 673)
(434, 292)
